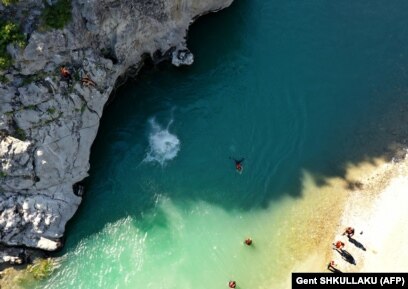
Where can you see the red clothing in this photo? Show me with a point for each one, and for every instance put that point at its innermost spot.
(339, 244)
(65, 72)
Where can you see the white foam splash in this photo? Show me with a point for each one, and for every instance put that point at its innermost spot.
(163, 146)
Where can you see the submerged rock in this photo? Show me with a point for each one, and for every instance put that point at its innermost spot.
(48, 122)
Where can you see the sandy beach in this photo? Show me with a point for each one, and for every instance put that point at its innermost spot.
(375, 206)
(379, 215)
(372, 199)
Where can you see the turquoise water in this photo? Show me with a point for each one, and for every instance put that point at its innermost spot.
(291, 86)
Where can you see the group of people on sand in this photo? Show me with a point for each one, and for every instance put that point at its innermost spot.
(339, 245)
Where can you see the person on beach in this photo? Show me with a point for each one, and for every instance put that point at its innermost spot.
(248, 241)
(232, 284)
(332, 267)
(349, 232)
(339, 245)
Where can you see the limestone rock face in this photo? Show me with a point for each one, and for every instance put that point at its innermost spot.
(48, 122)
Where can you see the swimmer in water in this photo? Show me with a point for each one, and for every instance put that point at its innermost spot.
(238, 164)
(248, 241)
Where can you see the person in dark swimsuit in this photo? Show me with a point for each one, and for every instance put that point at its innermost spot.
(238, 164)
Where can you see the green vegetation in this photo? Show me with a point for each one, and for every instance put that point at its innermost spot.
(30, 275)
(4, 79)
(20, 134)
(3, 174)
(83, 107)
(28, 80)
(34, 77)
(76, 76)
(31, 107)
(8, 2)
(41, 269)
(57, 15)
(51, 110)
(5, 60)
(9, 33)
(53, 117)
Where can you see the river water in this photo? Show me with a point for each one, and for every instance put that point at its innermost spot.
(295, 88)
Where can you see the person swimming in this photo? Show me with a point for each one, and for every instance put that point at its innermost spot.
(248, 241)
(238, 164)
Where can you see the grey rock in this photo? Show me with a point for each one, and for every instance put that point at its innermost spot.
(182, 57)
(12, 256)
(48, 123)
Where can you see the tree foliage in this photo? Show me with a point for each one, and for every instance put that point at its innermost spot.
(57, 15)
(8, 2)
(9, 33)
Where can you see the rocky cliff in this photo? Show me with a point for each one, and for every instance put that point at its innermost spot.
(49, 118)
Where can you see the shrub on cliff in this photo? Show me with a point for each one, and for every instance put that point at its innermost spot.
(41, 268)
(8, 2)
(57, 15)
(9, 33)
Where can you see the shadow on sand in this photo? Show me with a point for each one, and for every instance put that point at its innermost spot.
(357, 244)
(346, 256)
(333, 269)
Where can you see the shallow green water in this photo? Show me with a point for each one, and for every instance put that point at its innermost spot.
(290, 86)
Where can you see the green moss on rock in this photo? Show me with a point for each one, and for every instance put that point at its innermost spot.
(57, 15)
(41, 268)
